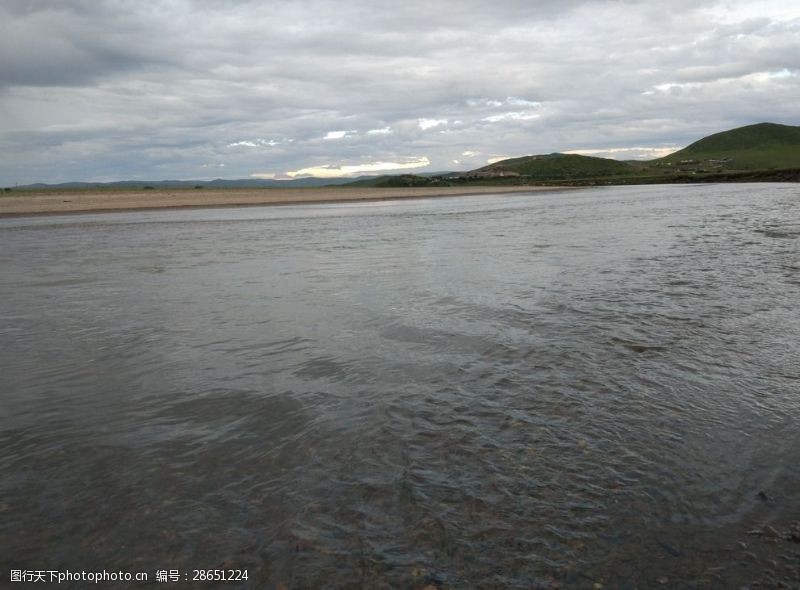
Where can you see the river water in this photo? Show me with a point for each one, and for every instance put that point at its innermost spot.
(592, 388)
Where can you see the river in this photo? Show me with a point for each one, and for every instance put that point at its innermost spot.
(596, 388)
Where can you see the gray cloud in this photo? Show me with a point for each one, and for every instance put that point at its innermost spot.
(192, 89)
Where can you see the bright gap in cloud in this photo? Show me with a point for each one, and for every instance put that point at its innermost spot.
(337, 134)
(677, 86)
(521, 102)
(742, 10)
(333, 171)
(512, 116)
(759, 77)
(769, 76)
(627, 153)
(509, 100)
(255, 143)
(430, 123)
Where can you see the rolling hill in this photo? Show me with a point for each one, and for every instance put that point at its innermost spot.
(399, 180)
(755, 153)
(556, 167)
(764, 146)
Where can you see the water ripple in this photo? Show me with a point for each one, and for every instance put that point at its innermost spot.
(488, 391)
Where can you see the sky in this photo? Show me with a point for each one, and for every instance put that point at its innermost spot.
(103, 90)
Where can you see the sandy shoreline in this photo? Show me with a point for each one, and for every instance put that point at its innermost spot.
(55, 202)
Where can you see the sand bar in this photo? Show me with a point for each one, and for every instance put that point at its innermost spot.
(50, 202)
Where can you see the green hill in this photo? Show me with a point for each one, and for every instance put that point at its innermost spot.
(764, 146)
(390, 181)
(756, 153)
(556, 167)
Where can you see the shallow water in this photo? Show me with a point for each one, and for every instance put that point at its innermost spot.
(554, 390)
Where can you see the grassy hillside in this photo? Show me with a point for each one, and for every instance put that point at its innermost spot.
(557, 167)
(389, 181)
(764, 146)
(756, 153)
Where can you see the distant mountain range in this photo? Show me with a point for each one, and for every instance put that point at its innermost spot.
(305, 182)
(761, 152)
(217, 183)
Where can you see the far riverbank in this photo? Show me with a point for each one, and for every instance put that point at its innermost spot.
(56, 202)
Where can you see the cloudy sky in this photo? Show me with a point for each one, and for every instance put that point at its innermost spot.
(190, 89)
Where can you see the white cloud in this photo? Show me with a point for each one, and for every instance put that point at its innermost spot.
(484, 102)
(425, 124)
(381, 131)
(512, 116)
(338, 134)
(762, 77)
(742, 10)
(521, 102)
(782, 74)
(628, 153)
(255, 143)
(332, 170)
